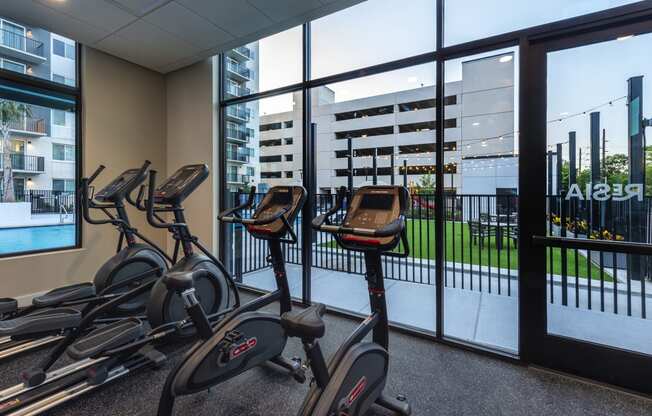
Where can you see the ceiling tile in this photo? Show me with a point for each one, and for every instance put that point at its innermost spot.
(237, 17)
(147, 45)
(139, 7)
(281, 10)
(188, 26)
(36, 14)
(94, 12)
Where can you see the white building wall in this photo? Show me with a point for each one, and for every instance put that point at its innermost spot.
(483, 113)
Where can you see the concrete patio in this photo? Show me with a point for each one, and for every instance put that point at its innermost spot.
(486, 319)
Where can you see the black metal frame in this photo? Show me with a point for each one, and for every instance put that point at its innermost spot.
(612, 365)
(532, 111)
(64, 93)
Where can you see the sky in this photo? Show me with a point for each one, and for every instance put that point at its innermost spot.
(377, 31)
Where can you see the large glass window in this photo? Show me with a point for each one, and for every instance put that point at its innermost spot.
(252, 161)
(37, 52)
(467, 20)
(268, 63)
(481, 201)
(364, 115)
(38, 142)
(372, 32)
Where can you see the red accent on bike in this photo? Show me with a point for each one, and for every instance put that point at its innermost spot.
(357, 391)
(240, 349)
(376, 291)
(258, 229)
(363, 240)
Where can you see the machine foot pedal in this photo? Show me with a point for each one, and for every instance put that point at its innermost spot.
(64, 294)
(41, 322)
(105, 338)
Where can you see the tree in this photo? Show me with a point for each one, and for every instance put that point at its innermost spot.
(10, 111)
(426, 183)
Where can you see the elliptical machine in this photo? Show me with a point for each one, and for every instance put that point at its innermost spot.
(112, 351)
(355, 377)
(54, 313)
(247, 337)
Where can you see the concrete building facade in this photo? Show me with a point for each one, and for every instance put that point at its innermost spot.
(43, 141)
(480, 144)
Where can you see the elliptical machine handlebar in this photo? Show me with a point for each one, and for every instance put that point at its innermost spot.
(232, 215)
(153, 219)
(96, 174)
(142, 171)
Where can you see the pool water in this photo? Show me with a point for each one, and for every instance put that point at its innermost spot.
(16, 240)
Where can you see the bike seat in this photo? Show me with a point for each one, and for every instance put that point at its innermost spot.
(105, 338)
(8, 305)
(182, 280)
(49, 320)
(307, 323)
(64, 294)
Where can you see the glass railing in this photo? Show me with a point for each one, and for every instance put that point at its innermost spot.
(238, 69)
(22, 43)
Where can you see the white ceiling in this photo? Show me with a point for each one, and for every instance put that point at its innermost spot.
(165, 35)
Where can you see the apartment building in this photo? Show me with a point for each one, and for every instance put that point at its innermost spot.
(43, 141)
(240, 78)
(480, 148)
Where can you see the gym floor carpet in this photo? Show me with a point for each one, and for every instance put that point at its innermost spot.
(437, 379)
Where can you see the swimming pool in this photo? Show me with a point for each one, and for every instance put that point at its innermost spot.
(16, 240)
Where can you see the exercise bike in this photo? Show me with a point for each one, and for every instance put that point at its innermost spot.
(110, 352)
(51, 315)
(247, 337)
(355, 377)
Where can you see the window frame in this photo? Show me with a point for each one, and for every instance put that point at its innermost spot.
(47, 93)
(587, 23)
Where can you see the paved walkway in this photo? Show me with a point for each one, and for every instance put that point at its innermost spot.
(487, 319)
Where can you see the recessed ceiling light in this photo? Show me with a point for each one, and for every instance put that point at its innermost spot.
(506, 58)
(476, 124)
(621, 38)
(412, 80)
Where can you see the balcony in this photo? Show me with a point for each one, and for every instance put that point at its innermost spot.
(25, 163)
(239, 135)
(238, 71)
(239, 154)
(237, 90)
(241, 53)
(238, 113)
(29, 125)
(236, 178)
(21, 47)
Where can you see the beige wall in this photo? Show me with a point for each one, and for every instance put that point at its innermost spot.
(124, 123)
(190, 113)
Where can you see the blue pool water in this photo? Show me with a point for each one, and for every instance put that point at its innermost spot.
(16, 240)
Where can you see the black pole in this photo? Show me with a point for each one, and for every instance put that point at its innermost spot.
(560, 161)
(405, 182)
(579, 160)
(604, 155)
(595, 166)
(636, 171)
(392, 167)
(550, 172)
(350, 166)
(374, 167)
(572, 159)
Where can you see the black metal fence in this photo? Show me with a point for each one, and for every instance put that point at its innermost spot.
(481, 250)
(46, 201)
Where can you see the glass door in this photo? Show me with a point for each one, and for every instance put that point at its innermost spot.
(587, 268)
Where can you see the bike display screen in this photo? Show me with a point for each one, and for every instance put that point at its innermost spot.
(377, 201)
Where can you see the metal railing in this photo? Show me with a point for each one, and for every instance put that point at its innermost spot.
(240, 154)
(45, 201)
(237, 178)
(240, 112)
(22, 43)
(481, 254)
(237, 90)
(27, 163)
(239, 69)
(243, 135)
(29, 124)
(244, 51)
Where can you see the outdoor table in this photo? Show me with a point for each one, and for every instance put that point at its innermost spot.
(499, 226)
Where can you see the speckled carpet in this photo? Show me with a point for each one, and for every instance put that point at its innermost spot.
(437, 379)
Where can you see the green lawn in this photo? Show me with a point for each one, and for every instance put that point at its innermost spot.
(423, 231)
